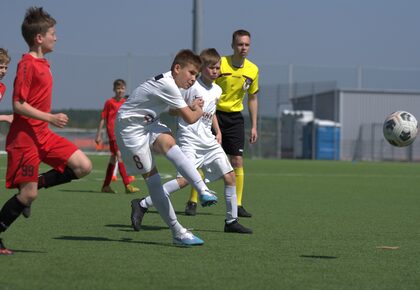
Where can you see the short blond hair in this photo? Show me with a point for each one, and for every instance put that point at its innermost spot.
(209, 56)
(4, 56)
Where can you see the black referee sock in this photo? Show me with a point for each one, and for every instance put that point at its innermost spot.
(10, 211)
(53, 177)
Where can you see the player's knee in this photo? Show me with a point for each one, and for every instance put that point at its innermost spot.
(27, 195)
(236, 161)
(86, 167)
(230, 178)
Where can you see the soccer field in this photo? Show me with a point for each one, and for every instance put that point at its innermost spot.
(317, 225)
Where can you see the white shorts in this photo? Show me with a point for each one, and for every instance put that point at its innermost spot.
(214, 163)
(135, 143)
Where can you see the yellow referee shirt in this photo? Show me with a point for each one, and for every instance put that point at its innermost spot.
(235, 82)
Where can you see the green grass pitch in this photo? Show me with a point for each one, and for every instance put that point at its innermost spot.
(317, 225)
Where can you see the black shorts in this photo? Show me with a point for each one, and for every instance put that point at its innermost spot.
(233, 132)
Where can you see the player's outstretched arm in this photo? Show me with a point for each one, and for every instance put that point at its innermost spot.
(23, 108)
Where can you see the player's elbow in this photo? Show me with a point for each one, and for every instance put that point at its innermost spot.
(18, 107)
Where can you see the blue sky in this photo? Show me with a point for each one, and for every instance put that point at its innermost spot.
(336, 33)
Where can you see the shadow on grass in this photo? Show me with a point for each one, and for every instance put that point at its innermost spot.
(318, 257)
(103, 239)
(28, 251)
(128, 228)
(80, 190)
(183, 213)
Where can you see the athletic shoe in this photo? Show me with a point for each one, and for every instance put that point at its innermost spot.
(137, 213)
(186, 238)
(26, 211)
(108, 189)
(4, 250)
(191, 208)
(131, 178)
(114, 178)
(208, 199)
(131, 189)
(235, 227)
(243, 213)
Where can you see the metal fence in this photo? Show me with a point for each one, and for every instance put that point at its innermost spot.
(85, 81)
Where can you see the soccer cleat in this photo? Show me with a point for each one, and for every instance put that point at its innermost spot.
(137, 213)
(191, 208)
(243, 213)
(26, 211)
(208, 199)
(131, 178)
(236, 227)
(186, 238)
(4, 250)
(114, 178)
(108, 189)
(131, 189)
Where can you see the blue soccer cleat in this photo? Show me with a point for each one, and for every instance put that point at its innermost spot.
(208, 199)
(186, 238)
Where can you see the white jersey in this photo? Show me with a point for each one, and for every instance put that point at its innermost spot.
(137, 123)
(150, 99)
(199, 134)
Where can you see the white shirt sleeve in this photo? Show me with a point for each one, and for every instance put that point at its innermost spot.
(171, 94)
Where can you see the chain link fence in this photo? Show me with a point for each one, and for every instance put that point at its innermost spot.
(85, 82)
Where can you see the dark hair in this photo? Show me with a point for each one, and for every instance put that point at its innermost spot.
(4, 56)
(185, 57)
(36, 21)
(119, 82)
(240, 32)
(209, 56)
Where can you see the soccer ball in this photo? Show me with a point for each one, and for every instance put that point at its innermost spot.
(400, 128)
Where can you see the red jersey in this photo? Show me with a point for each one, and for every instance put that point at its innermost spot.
(33, 84)
(108, 114)
(2, 90)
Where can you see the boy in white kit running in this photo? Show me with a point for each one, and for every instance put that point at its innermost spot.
(202, 147)
(139, 131)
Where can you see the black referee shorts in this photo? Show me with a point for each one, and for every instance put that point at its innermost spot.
(233, 132)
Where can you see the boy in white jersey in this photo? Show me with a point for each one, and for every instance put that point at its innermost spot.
(202, 147)
(138, 132)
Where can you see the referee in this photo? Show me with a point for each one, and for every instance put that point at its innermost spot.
(238, 76)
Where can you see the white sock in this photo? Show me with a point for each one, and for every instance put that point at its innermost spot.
(231, 203)
(115, 172)
(169, 187)
(162, 203)
(186, 168)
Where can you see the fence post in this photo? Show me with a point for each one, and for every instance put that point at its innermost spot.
(278, 133)
(314, 122)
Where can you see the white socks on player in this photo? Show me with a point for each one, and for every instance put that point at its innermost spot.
(186, 168)
(168, 188)
(162, 203)
(231, 203)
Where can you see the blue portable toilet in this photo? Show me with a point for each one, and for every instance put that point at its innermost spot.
(327, 140)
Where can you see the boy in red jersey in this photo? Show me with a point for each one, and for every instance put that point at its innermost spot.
(30, 141)
(4, 64)
(108, 116)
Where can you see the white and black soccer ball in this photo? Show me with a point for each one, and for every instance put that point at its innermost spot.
(400, 128)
